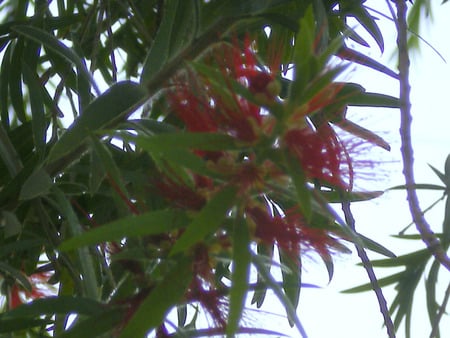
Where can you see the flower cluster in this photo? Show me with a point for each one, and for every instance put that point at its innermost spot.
(235, 95)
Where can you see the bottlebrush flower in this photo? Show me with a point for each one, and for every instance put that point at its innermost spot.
(206, 106)
(321, 154)
(203, 288)
(180, 195)
(291, 233)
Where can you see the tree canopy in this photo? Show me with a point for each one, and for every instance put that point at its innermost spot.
(168, 161)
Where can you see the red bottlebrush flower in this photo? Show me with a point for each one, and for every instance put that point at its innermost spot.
(205, 106)
(40, 289)
(203, 289)
(259, 81)
(291, 233)
(181, 195)
(321, 154)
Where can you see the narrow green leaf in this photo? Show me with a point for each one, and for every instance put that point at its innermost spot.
(15, 81)
(176, 29)
(260, 266)
(430, 288)
(381, 282)
(109, 165)
(53, 305)
(352, 196)
(292, 280)
(374, 100)
(16, 275)
(446, 224)
(37, 109)
(207, 220)
(376, 247)
(261, 288)
(201, 141)
(240, 275)
(50, 41)
(362, 59)
(150, 223)
(403, 260)
(16, 324)
(85, 259)
(419, 186)
(95, 326)
(368, 22)
(299, 180)
(161, 299)
(113, 105)
(4, 85)
(11, 224)
(38, 184)
(22, 245)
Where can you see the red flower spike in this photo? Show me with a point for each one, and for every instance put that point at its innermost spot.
(203, 289)
(181, 195)
(321, 155)
(291, 233)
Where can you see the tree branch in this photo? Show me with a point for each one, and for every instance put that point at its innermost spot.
(428, 236)
(350, 220)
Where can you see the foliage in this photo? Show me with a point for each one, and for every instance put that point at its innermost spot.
(155, 152)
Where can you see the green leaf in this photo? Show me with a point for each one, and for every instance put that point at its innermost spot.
(50, 41)
(37, 109)
(149, 223)
(298, 177)
(260, 266)
(374, 100)
(362, 59)
(261, 288)
(15, 81)
(38, 184)
(161, 299)
(381, 282)
(446, 224)
(240, 275)
(16, 275)
(109, 166)
(17, 246)
(376, 247)
(16, 324)
(419, 186)
(292, 279)
(95, 326)
(368, 22)
(85, 259)
(113, 105)
(199, 141)
(11, 224)
(207, 220)
(430, 288)
(177, 29)
(352, 196)
(4, 85)
(53, 305)
(441, 176)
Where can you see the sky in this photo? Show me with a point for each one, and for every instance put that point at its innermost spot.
(326, 312)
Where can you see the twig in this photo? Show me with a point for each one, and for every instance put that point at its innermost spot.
(440, 313)
(428, 236)
(370, 273)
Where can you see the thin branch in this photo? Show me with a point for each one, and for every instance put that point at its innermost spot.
(428, 236)
(370, 273)
(441, 312)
